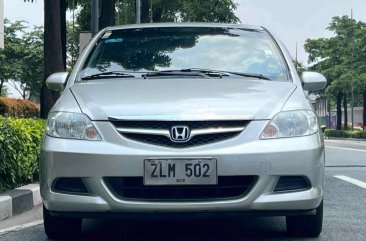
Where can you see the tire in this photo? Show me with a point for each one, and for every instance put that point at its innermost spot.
(306, 225)
(60, 228)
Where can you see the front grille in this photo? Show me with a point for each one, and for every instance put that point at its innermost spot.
(227, 187)
(169, 124)
(164, 140)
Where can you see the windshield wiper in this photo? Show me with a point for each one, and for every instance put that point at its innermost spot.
(105, 75)
(180, 72)
(203, 73)
(221, 73)
(251, 75)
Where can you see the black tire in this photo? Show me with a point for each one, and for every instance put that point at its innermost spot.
(306, 225)
(60, 228)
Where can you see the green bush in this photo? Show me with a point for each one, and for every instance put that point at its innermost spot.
(345, 133)
(20, 143)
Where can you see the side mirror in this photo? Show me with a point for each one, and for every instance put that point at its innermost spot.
(312, 81)
(57, 81)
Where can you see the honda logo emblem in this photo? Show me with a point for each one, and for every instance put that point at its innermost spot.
(180, 133)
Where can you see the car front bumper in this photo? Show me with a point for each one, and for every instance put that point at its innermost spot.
(242, 155)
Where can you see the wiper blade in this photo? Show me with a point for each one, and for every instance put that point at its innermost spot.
(111, 74)
(181, 72)
(221, 73)
(259, 76)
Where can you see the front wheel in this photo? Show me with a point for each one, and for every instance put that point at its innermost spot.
(60, 228)
(306, 225)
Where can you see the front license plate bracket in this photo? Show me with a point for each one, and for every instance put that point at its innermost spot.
(199, 171)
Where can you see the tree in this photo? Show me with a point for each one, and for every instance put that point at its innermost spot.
(360, 87)
(31, 69)
(4, 91)
(208, 11)
(11, 56)
(336, 58)
(335, 91)
(162, 11)
(300, 68)
(72, 45)
(53, 52)
(107, 13)
(4, 71)
(22, 59)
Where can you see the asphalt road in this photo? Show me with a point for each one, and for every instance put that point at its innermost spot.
(344, 213)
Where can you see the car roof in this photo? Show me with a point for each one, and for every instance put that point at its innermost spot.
(186, 24)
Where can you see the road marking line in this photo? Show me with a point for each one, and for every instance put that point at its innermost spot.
(347, 149)
(22, 226)
(353, 181)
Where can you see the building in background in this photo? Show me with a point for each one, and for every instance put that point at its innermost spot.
(1, 24)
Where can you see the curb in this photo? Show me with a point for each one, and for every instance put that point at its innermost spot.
(345, 139)
(19, 200)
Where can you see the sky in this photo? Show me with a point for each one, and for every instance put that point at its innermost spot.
(292, 21)
(297, 20)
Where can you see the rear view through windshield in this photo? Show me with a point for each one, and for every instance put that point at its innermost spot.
(176, 48)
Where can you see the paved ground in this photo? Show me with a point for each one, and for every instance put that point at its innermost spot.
(344, 213)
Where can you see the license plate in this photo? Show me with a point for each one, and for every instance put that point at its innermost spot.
(180, 172)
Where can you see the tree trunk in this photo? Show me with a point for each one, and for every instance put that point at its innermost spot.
(157, 14)
(108, 14)
(345, 112)
(364, 110)
(53, 60)
(145, 7)
(339, 111)
(63, 7)
(1, 87)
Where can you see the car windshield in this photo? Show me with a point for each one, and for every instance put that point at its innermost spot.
(180, 48)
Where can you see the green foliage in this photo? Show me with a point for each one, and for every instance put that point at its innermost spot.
(11, 55)
(342, 59)
(345, 133)
(4, 91)
(20, 143)
(208, 11)
(72, 45)
(30, 75)
(334, 56)
(165, 11)
(300, 68)
(162, 11)
(21, 61)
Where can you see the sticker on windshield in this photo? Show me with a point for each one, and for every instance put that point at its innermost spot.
(113, 40)
(107, 35)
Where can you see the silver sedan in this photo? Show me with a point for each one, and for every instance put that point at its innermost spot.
(183, 119)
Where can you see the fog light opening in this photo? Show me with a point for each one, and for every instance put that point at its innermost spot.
(70, 185)
(292, 183)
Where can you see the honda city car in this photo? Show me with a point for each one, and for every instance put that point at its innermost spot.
(183, 119)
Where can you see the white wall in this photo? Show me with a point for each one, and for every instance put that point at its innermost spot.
(357, 115)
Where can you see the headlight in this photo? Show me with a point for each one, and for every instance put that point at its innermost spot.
(291, 124)
(71, 126)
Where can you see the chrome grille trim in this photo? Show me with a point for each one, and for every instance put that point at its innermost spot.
(164, 117)
(159, 133)
(207, 131)
(194, 132)
(144, 131)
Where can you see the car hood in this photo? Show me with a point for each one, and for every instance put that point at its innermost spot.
(182, 98)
